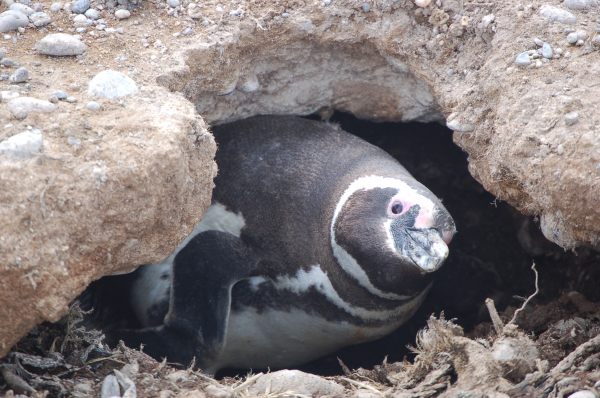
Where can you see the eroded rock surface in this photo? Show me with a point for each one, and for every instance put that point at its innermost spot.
(107, 192)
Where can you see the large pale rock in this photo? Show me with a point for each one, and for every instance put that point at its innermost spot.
(22, 145)
(22, 106)
(12, 20)
(112, 84)
(129, 188)
(60, 45)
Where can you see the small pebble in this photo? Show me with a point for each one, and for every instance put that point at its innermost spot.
(80, 18)
(571, 118)
(177, 34)
(597, 27)
(487, 20)
(21, 7)
(580, 43)
(53, 99)
(187, 31)
(234, 13)
(572, 38)
(327, 2)
(173, 3)
(20, 76)
(40, 19)
(60, 94)
(93, 106)
(510, 70)
(560, 150)
(80, 6)
(523, 59)
(92, 14)
(285, 15)
(7, 62)
(547, 51)
(538, 42)
(582, 35)
(538, 63)
(81, 30)
(71, 99)
(558, 14)
(366, 7)
(55, 7)
(12, 20)
(37, 7)
(122, 14)
(577, 4)
(558, 51)
(100, 27)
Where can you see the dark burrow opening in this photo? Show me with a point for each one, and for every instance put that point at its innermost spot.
(490, 256)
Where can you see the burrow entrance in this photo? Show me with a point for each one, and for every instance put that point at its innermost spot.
(490, 256)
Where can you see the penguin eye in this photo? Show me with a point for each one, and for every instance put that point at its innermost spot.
(397, 208)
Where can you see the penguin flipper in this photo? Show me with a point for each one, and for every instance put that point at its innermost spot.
(203, 274)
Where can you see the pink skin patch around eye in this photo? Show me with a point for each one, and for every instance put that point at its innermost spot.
(423, 220)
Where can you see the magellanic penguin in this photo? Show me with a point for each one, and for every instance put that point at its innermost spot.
(315, 240)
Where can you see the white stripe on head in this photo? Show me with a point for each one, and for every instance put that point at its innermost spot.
(346, 261)
(318, 279)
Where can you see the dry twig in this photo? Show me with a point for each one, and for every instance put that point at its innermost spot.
(537, 290)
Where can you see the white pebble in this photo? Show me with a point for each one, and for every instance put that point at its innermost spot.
(558, 14)
(571, 118)
(56, 7)
(173, 3)
(122, 14)
(582, 34)
(538, 63)
(487, 20)
(572, 38)
(422, 3)
(112, 84)
(93, 106)
(560, 150)
(21, 106)
(538, 42)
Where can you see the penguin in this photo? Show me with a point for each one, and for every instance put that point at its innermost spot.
(314, 240)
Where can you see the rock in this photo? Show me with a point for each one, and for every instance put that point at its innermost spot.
(248, 84)
(9, 95)
(80, 6)
(547, 51)
(40, 19)
(110, 387)
(572, 38)
(487, 20)
(61, 95)
(20, 76)
(178, 376)
(538, 42)
(12, 20)
(173, 3)
(122, 14)
(22, 145)
(571, 118)
(22, 8)
(93, 14)
(558, 14)
(60, 44)
(560, 150)
(93, 106)
(578, 4)
(56, 7)
(112, 84)
(21, 106)
(584, 394)
(7, 62)
(582, 35)
(296, 381)
(523, 59)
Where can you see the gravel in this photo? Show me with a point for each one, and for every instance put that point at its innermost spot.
(22, 145)
(523, 59)
(80, 6)
(112, 84)
(40, 19)
(20, 76)
(60, 44)
(12, 20)
(558, 14)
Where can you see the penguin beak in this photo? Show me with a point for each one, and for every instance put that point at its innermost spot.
(426, 248)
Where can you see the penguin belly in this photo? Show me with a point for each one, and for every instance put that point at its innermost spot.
(280, 339)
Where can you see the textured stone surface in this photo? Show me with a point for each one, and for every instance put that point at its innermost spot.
(60, 44)
(296, 381)
(125, 193)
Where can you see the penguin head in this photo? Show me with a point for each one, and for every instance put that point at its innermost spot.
(391, 234)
